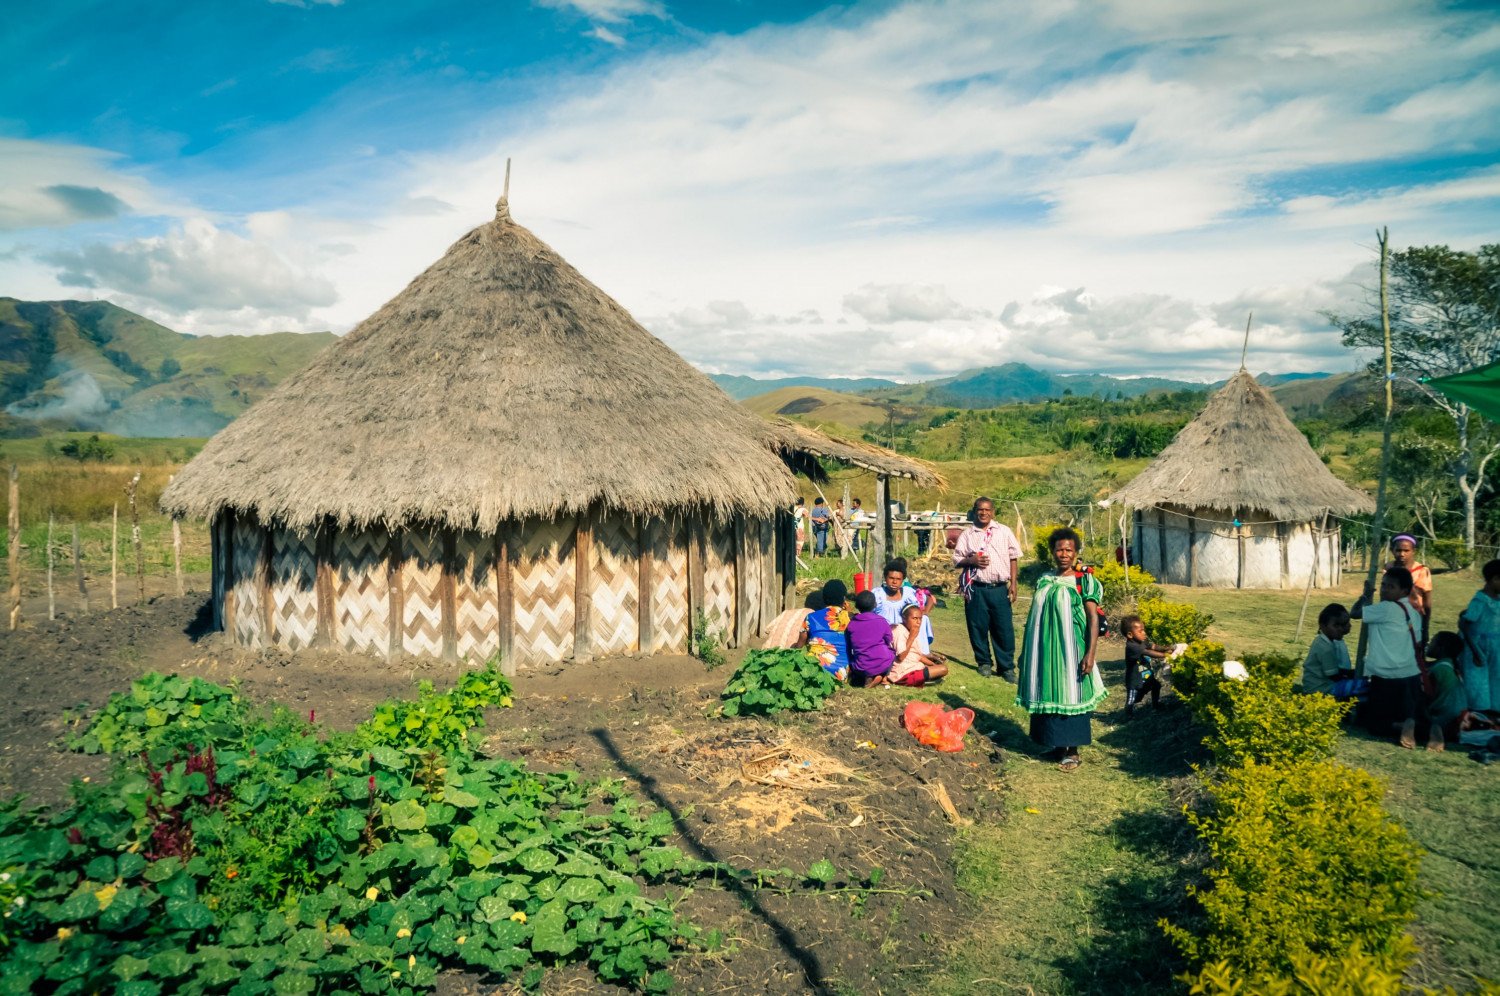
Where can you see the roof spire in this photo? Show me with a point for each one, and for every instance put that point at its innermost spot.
(1243, 352)
(502, 206)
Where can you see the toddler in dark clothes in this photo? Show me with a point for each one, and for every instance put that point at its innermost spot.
(1143, 662)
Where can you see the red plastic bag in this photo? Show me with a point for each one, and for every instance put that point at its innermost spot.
(937, 727)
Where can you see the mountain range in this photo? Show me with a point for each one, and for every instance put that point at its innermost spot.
(94, 365)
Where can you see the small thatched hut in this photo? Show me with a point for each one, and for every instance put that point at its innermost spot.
(499, 459)
(1239, 499)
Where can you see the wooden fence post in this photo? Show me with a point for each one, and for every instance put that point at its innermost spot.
(176, 547)
(15, 546)
(83, 589)
(51, 558)
(114, 558)
(135, 537)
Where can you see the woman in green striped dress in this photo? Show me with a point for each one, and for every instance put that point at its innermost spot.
(1058, 682)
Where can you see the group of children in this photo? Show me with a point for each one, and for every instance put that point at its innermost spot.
(1446, 682)
(888, 639)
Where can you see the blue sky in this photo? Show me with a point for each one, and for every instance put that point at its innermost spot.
(931, 186)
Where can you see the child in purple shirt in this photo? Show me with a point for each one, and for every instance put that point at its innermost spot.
(872, 651)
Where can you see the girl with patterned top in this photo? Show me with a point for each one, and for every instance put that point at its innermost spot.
(823, 632)
(1058, 682)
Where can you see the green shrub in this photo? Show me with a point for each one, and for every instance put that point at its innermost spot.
(1268, 721)
(1354, 972)
(1197, 674)
(772, 681)
(708, 642)
(1303, 860)
(437, 721)
(1453, 553)
(1274, 664)
(1111, 575)
(1173, 622)
(160, 710)
(1041, 542)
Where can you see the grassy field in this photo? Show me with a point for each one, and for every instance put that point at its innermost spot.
(1116, 825)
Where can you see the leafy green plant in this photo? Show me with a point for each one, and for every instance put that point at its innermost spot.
(1354, 971)
(1303, 860)
(772, 681)
(1266, 721)
(1172, 622)
(160, 711)
(438, 721)
(1454, 554)
(1111, 575)
(1197, 675)
(708, 641)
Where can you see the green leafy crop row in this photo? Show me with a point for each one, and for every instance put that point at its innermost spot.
(772, 681)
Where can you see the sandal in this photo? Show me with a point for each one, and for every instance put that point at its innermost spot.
(1069, 763)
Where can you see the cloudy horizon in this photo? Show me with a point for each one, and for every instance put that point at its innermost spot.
(899, 190)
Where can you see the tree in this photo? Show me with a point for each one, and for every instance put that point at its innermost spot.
(1445, 318)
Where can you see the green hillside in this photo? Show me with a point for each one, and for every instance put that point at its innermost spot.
(739, 387)
(93, 365)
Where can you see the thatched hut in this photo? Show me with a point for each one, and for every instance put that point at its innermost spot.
(1239, 500)
(499, 459)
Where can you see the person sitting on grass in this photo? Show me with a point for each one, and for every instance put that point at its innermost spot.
(872, 650)
(823, 631)
(893, 597)
(916, 664)
(1327, 662)
(1448, 700)
(1391, 660)
(1143, 660)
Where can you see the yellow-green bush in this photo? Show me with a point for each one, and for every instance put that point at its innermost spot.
(1265, 720)
(1303, 861)
(1197, 674)
(1041, 541)
(1111, 575)
(1282, 665)
(1346, 973)
(1171, 622)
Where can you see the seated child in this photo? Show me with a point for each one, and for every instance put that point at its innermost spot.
(872, 651)
(915, 663)
(1327, 661)
(1142, 661)
(1447, 703)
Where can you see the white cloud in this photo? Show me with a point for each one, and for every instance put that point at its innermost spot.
(881, 303)
(607, 36)
(48, 185)
(201, 272)
(609, 11)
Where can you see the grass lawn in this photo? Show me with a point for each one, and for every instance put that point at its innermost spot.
(1068, 886)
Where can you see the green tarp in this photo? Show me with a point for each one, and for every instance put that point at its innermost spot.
(1478, 388)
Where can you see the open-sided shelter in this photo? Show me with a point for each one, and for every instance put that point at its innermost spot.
(1239, 499)
(499, 459)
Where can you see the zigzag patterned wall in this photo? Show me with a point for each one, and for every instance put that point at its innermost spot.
(294, 596)
(543, 579)
(361, 591)
(669, 589)
(615, 624)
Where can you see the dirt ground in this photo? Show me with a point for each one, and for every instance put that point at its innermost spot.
(847, 784)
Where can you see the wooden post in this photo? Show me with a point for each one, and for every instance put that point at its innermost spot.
(263, 582)
(1192, 551)
(177, 553)
(583, 590)
(504, 558)
(646, 637)
(83, 588)
(114, 558)
(696, 551)
(1377, 527)
(1286, 555)
(14, 521)
(1307, 592)
(787, 533)
(1239, 538)
(229, 579)
(448, 592)
(770, 589)
(1161, 544)
(395, 643)
(740, 632)
(327, 634)
(51, 557)
(880, 549)
(135, 538)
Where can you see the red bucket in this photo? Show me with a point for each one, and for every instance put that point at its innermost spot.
(861, 583)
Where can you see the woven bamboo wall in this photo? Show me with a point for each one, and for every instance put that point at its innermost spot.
(1198, 547)
(432, 593)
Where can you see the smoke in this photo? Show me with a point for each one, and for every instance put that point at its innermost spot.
(76, 398)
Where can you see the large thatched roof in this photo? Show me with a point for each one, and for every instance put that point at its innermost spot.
(499, 384)
(790, 438)
(1242, 452)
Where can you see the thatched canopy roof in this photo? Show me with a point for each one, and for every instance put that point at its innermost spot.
(1242, 452)
(500, 384)
(789, 438)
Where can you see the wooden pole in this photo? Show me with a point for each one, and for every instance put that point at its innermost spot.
(83, 588)
(1377, 527)
(881, 549)
(1307, 592)
(51, 557)
(14, 519)
(135, 538)
(177, 553)
(114, 558)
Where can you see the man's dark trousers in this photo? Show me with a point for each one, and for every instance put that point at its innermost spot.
(988, 616)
